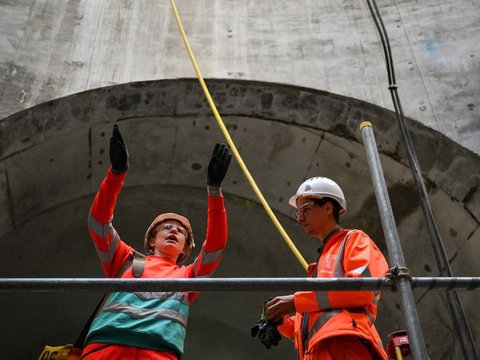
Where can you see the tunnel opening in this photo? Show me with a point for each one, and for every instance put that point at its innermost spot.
(53, 157)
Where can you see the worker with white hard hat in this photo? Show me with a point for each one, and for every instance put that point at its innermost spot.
(331, 324)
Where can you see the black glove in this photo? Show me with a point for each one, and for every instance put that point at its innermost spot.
(118, 152)
(218, 166)
(267, 333)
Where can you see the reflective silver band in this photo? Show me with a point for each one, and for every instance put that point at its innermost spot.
(363, 270)
(322, 320)
(204, 259)
(138, 313)
(339, 271)
(106, 257)
(210, 257)
(97, 227)
(370, 317)
(322, 296)
(103, 231)
(177, 296)
(322, 300)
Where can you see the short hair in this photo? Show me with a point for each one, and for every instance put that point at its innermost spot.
(335, 204)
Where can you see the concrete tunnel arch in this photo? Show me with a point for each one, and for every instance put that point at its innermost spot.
(54, 156)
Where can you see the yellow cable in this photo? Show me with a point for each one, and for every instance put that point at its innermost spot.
(232, 145)
(398, 352)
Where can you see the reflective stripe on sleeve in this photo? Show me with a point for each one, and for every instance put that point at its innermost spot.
(138, 313)
(98, 228)
(103, 231)
(322, 300)
(206, 258)
(210, 257)
(107, 256)
(195, 267)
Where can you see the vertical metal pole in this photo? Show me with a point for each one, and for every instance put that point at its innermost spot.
(394, 248)
(455, 306)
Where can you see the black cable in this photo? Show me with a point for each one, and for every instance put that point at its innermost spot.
(454, 303)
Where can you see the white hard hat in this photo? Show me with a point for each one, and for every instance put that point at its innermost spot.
(320, 187)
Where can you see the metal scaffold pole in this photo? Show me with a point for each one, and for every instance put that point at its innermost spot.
(455, 305)
(394, 248)
(43, 285)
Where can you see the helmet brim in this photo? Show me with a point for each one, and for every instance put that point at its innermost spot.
(293, 201)
(171, 216)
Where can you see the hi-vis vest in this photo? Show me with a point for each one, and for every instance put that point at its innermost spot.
(155, 320)
(339, 313)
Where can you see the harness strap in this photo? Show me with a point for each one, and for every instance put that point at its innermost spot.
(138, 264)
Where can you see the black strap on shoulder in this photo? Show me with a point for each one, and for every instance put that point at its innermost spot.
(137, 261)
(80, 342)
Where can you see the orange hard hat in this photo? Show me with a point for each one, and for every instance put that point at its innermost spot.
(171, 216)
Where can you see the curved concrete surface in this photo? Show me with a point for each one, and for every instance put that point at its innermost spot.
(54, 155)
(54, 48)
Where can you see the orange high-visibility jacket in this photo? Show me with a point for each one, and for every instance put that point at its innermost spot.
(339, 313)
(149, 320)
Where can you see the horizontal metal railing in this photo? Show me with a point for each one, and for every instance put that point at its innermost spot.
(228, 284)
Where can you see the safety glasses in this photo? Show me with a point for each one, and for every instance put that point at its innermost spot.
(168, 227)
(303, 210)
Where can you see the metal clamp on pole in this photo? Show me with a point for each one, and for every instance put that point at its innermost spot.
(398, 272)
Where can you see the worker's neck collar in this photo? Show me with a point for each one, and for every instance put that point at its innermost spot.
(331, 234)
(328, 237)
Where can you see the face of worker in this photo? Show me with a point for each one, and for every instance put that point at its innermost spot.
(312, 217)
(170, 239)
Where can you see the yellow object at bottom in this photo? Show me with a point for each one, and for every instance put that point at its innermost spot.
(65, 352)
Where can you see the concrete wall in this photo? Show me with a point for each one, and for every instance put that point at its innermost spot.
(53, 148)
(55, 48)
(54, 155)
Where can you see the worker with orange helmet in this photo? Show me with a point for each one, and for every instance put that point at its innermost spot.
(151, 325)
(331, 324)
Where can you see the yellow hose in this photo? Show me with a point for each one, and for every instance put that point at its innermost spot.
(232, 145)
(398, 352)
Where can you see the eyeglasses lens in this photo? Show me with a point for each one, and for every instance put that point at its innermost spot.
(304, 209)
(180, 229)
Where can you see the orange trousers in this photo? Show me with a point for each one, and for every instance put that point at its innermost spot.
(98, 351)
(341, 348)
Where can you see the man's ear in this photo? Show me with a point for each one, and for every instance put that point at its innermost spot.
(329, 207)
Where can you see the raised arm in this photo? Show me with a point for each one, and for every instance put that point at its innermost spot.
(216, 237)
(111, 250)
